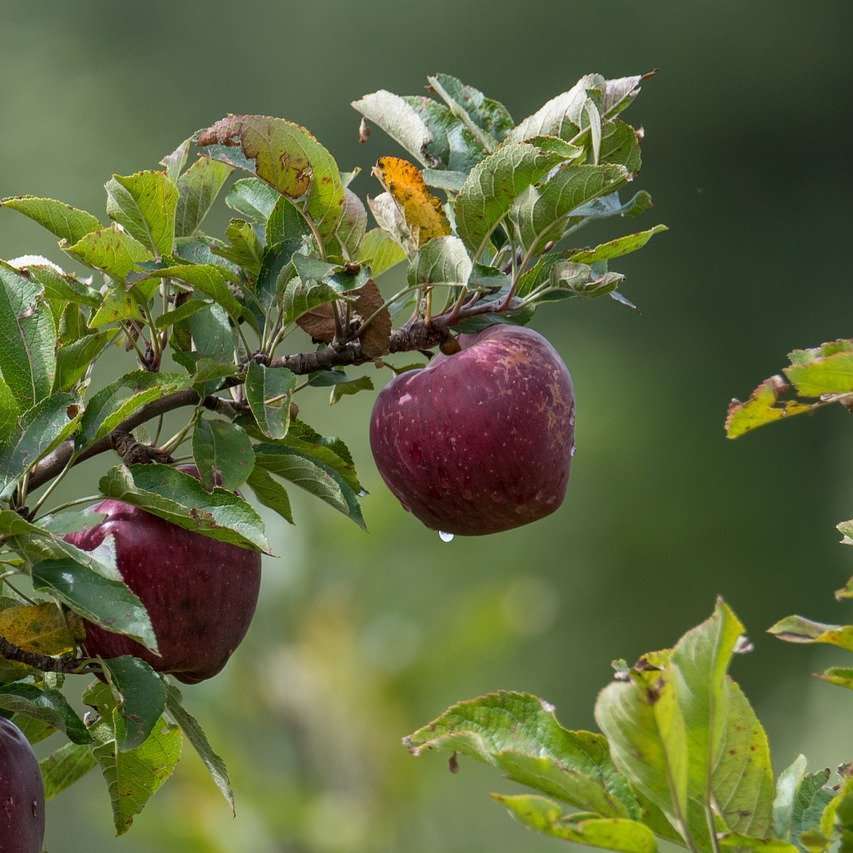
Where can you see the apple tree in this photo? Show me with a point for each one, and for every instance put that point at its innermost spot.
(154, 578)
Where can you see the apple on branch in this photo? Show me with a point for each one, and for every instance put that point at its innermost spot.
(480, 441)
(21, 793)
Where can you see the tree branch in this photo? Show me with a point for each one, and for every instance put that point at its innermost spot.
(64, 663)
(414, 336)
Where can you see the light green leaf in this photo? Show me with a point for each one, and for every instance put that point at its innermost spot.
(243, 247)
(762, 845)
(840, 675)
(548, 817)
(441, 260)
(144, 204)
(41, 429)
(300, 297)
(541, 214)
(27, 361)
(743, 782)
(353, 224)
(74, 359)
(290, 159)
(764, 406)
(616, 248)
(380, 251)
(118, 306)
(62, 768)
(174, 163)
(223, 454)
(110, 250)
(400, 121)
(315, 476)
(71, 520)
(798, 629)
(344, 389)
(66, 222)
(9, 413)
(518, 734)
(141, 702)
(253, 199)
(487, 114)
(442, 179)
(196, 736)
(198, 188)
(208, 280)
(62, 286)
(645, 728)
(285, 221)
(181, 313)
(120, 399)
(493, 186)
(268, 392)
(108, 603)
(787, 786)
(827, 369)
(270, 492)
(132, 777)
(181, 499)
(275, 272)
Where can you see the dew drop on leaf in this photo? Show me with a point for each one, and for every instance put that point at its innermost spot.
(445, 537)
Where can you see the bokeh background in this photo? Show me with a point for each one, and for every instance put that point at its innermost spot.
(360, 638)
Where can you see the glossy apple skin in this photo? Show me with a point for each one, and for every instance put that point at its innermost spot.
(480, 441)
(200, 593)
(21, 793)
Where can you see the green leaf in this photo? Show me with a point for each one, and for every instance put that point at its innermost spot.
(223, 454)
(65, 766)
(110, 250)
(253, 198)
(144, 204)
(198, 188)
(763, 845)
(541, 214)
(620, 145)
(174, 163)
(206, 279)
(315, 475)
(27, 361)
(47, 705)
(827, 369)
(290, 159)
(285, 221)
(441, 260)
(118, 306)
(71, 520)
(268, 392)
(489, 115)
(181, 499)
(243, 248)
(837, 818)
(611, 205)
(442, 179)
(41, 429)
(743, 784)
(196, 736)
(518, 734)
(275, 272)
(9, 413)
(493, 186)
(400, 121)
(353, 224)
(74, 359)
(344, 389)
(120, 399)
(132, 777)
(62, 286)
(181, 313)
(616, 248)
(300, 297)
(548, 817)
(840, 675)
(798, 629)
(66, 222)
(270, 493)
(142, 699)
(108, 603)
(700, 661)
(645, 729)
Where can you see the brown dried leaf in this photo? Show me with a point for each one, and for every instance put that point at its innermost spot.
(319, 323)
(376, 337)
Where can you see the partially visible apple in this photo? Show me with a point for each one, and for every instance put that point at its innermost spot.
(200, 593)
(21, 793)
(480, 441)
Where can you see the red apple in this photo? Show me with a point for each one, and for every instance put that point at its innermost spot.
(200, 593)
(21, 793)
(482, 440)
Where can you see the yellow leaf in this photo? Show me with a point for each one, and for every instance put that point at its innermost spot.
(37, 628)
(764, 406)
(421, 209)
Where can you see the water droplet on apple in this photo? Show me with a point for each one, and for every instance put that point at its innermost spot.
(445, 537)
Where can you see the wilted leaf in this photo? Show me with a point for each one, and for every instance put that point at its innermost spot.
(421, 209)
(765, 405)
(38, 628)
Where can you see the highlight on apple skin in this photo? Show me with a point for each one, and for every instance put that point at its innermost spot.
(480, 441)
(21, 793)
(200, 593)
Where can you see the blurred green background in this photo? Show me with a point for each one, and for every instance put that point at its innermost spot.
(360, 637)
